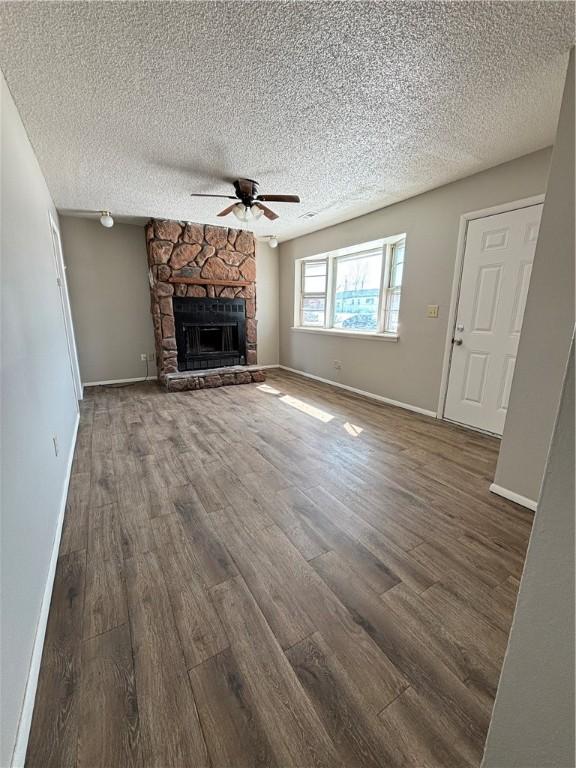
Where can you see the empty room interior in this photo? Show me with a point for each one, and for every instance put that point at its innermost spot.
(287, 384)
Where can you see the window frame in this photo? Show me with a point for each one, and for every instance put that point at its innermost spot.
(313, 294)
(347, 257)
(388, 289)
(387, 248)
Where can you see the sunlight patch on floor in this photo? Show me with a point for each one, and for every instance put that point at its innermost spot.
(268, 389)
(353, 429)
(310, 410)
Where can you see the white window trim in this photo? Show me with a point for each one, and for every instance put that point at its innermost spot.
(375, 336)
(387, 291)
(331, 258)
(313, 294)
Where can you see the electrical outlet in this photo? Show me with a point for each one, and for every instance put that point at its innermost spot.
(55, 441)
(432, 310)
(337, 364)
(143, 357)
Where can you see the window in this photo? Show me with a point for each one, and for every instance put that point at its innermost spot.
(354, 289)
(313, 293)
(394, 286)
(357, 283)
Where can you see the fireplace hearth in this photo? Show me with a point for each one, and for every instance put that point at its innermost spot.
(210, 333)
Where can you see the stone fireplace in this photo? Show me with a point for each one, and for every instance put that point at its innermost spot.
(203, 302)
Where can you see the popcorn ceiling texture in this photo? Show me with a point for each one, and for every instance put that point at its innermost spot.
(351, 105)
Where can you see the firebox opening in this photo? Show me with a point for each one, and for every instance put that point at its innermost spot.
(210, 333)
(219, 338)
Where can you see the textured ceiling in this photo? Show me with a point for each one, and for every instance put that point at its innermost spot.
(351, 105)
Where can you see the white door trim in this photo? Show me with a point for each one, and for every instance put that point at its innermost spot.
(458, 266)
(66, 309)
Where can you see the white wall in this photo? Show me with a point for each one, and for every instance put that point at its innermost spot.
(107, 274)
(408, 371)
(37, 403)
(548, 323)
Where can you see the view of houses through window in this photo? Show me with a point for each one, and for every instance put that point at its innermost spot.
(354, 289)
(357, 293)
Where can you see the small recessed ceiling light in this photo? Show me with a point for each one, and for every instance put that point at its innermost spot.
(106, 219)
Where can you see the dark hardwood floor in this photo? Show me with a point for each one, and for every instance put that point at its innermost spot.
(275, 575)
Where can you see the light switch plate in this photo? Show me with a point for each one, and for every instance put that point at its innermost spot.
(432, 310)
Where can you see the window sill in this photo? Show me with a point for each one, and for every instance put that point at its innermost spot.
(347, 334)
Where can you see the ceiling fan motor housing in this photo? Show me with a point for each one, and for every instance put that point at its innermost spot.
(246, 190)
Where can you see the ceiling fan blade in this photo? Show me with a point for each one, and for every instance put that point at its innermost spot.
(200, 194)
(266, 211)
(279, 198)
(226, 211)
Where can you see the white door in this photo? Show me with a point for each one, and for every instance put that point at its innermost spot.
(495, 277)
(66, 311)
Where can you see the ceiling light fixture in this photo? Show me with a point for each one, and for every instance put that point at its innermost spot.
(247, 213)
(270, 240)
(106, 219)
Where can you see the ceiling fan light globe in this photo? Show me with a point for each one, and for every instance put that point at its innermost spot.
(256, 212)
(241, 212)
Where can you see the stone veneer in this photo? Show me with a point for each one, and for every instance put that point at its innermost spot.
(216, 377)
(180, 249)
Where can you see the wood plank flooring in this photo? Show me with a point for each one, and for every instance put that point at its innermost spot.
(275, 575)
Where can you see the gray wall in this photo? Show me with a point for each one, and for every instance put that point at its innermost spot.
(533, 719)
(267, 298)
(408, 371)
(548, 323)
(37, 402)
(108, 281)
(107, 275)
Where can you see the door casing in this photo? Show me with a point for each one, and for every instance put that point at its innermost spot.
(455, 296)
(60, 268)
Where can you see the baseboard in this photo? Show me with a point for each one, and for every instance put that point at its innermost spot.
(143, 378)
(21, 743)
(512, 496)
(370, 395)
(118, 381)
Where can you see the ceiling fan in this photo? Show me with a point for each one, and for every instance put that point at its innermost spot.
(249, 204)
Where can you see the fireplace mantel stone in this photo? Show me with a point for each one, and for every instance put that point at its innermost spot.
(201, 253)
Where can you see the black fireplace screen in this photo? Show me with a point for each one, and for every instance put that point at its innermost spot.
(221, 338)
(209, 332)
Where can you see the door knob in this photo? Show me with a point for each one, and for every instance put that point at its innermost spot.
(457, 342)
